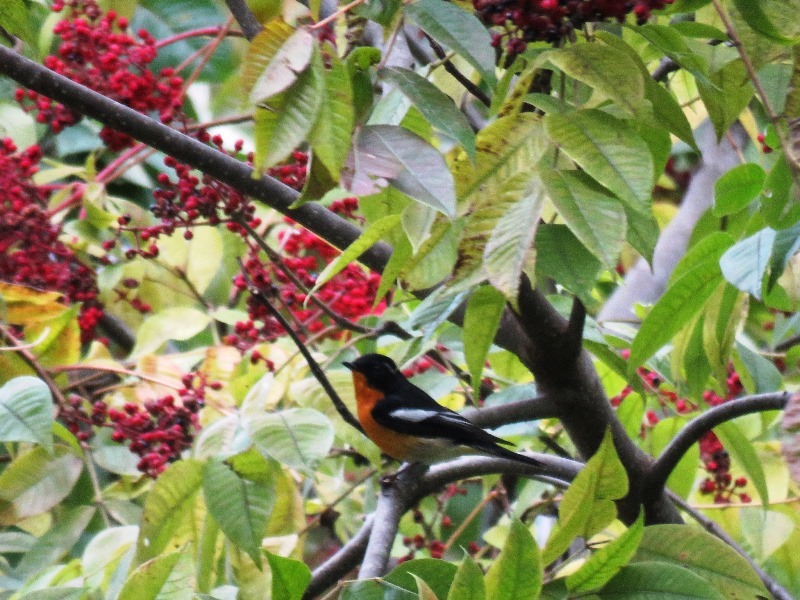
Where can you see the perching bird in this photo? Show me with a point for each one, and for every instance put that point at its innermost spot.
(408, 425)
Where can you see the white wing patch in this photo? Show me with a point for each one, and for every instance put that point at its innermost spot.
(415, 415)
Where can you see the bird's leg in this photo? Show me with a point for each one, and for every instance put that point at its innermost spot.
(406, 471)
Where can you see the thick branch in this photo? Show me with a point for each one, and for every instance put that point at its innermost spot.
(660, 470)
(559, 471)
(185, 149)
(245, 17)
(541, 407)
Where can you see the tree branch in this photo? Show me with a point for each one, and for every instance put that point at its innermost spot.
(540, 407)
(316, 370)
(244, 16)
(660, 470)
(185, 149)
(557, 471)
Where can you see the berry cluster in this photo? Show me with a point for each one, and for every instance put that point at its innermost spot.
(719, 482)
(157, 431)
(524, 21)
(350, 294)
(436, 548)
(96, 51)
(31, 252)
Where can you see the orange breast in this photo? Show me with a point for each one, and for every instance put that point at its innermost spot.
(397, 445)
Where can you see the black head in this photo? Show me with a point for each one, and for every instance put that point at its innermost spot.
(380, 371)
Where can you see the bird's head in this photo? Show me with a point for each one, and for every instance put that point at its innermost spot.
(379, 371)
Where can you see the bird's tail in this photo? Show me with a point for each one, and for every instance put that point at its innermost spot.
(501, 452)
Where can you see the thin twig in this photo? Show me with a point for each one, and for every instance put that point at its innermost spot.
(316, 370)
(458, 75)
(337, 14)
(25, 354)
(754, 79)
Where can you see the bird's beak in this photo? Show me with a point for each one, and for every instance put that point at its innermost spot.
(348, 365)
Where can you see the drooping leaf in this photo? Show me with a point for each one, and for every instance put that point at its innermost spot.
(682, 300)
(167, 508)
(371, 235)
(609, 150)
(297, 437)
(608, 560)
(284, 122)
(434, 104)
(508, 249)
(610, 71)
(240, 506)
(657, 580)
(742, 451)
(36, 481)
(517, 573)
(726, 95)
(468, 583)
(595, 217)
(275, 58)
(56, 542)
(459, 30)
(437, 575)
(481, 319)
(755, 16)
(562, 257)
(588, 504)
(734, 190)
(26, 412)
(745, 264)
(180, 323)
(705, 555)
(290, 577)
(166, 576)
(390, 154)
(14, 19)
(332, 131)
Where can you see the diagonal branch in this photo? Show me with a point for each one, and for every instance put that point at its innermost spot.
(660, 470)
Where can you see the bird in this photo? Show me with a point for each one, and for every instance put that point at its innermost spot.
(410, 426)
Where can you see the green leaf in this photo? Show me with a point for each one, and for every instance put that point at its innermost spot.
(284, 122)
(26, 412)
(167, 577)
(459, 30)
(657, 580)
(742, 451)
(670, 42)
(759, 374)
(180, 323)
(595, 217)
(167, 508)
(36, 481)
(434, 104)
(517, 573)
(588, 504)
(507, 251)
(468, 583)
(726, 95)
(388, 153)
(481, 319)
(703, 554)
(297, 437)
(609, 150)
(275, 58)
(681, 479)
(608, 560)
(745, 264)
(682, 300)
(371, 235)
(290, 578)
(737, 188)
(754, 15)
(330, 137)
(240, 506)
(610, 71)
(14, 19)
(437, 574)
(723, 315)
(199, 258)
(59, 540)
(561, 256)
